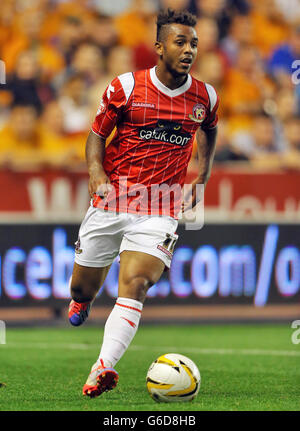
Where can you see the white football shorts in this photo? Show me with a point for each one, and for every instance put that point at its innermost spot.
(103, 235)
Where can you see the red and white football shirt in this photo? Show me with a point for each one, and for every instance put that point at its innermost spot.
(155, 128)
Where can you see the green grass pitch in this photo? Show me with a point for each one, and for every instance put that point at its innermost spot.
(250, 367)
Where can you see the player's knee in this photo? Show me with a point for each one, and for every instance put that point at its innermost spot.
(138, 286)
(80, 292)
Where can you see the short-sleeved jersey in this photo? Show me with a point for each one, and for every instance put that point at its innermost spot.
(155, 129)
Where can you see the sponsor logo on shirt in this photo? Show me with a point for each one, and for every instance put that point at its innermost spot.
(199, 112)
(165, 131)
(143, 105)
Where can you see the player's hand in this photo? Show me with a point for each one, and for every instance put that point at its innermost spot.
(99, 184)
(193, 196)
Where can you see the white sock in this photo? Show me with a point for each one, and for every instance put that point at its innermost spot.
(119, 330)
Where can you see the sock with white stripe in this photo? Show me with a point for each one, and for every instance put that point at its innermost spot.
(119, 330)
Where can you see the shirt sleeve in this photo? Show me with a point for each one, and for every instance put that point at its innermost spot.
(212, 118)
(110, 109)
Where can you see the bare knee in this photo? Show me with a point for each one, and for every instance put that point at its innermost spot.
(78, 293)
(81, 291)
(135, 287)
(86, 282)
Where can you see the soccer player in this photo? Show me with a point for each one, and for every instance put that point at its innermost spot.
(156, 113)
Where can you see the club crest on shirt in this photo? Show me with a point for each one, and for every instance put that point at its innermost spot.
(102, 107)
(198, 113)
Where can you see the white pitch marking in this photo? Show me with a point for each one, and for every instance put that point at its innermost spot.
(225, 351)
(203, 351)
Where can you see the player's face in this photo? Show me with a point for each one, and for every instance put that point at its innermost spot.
(179, 49)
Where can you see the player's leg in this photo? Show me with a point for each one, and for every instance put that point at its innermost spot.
(146, 248)
(98, 244)
(86, 282)
(138, 272)
(84, 286)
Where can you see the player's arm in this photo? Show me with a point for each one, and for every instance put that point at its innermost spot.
(206, 143)
(94, 152)
(108, 114)
(206, 146)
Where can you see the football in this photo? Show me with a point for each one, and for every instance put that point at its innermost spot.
(173, 378)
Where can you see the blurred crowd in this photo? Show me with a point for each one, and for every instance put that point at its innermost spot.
(60, 55)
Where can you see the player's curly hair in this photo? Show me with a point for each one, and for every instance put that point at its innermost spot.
(170, 16)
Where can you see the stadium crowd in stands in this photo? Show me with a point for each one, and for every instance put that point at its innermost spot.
(60, 55)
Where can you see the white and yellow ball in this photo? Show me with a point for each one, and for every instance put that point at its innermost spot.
(173, 378)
